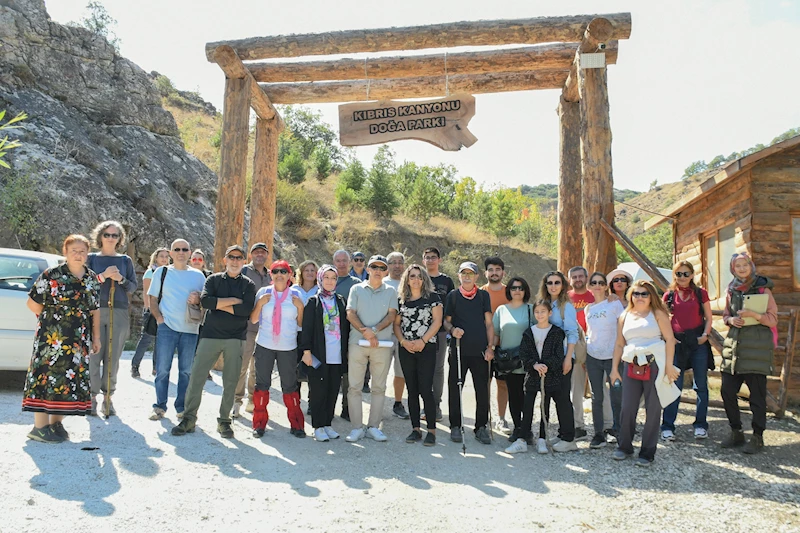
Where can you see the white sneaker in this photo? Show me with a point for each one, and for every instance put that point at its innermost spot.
(355, 435)
(330, 432)
(700, 433)
(564, 446)
(519, 446)
(667, 435)
(237, 410)
(157, 414)
(501, 426)
(541, 446)
(376, 434)
(320, 435)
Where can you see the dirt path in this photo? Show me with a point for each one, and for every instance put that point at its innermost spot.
(129, 473)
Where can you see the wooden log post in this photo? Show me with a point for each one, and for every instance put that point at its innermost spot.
(570, 241)
(265, 182)
(233, 166)
(597, 177)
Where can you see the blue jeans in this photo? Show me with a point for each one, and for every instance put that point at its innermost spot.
(167, 341)
(145, 342)
(699, 364)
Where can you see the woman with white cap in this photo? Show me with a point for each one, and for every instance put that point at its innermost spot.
(619, 282)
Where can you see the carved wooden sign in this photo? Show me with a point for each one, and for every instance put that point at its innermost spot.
(440, 121)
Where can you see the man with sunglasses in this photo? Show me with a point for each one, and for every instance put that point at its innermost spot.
(358, 270)
(229, 298)
(371, 308)
(181, 285)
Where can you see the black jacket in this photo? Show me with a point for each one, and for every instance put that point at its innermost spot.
(552, 356)
(313, 335)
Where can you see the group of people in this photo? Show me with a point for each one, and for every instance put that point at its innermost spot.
(341, 326)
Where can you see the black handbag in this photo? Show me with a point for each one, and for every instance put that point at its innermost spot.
(506, 361)
(149, 323)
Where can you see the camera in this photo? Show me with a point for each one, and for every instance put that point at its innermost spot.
(601, 46)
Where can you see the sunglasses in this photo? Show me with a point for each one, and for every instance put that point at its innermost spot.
(516, 288)
(619, 280)
(638, 294)
(414, 276)
(235, 257)
(598, 282)
(197, 259)
(358, 260)
(180, 249)
(382, 268)
(279, 271)
(684, 274)
(111, 235)
(556, 282)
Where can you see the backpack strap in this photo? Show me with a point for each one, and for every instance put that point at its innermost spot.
(670, 300)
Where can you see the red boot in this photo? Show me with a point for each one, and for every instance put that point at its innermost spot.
(260, 414)
(295, 413)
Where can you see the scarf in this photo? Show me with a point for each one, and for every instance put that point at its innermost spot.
(320, 273)
(469, 295)
(276, 313)
(739, 284)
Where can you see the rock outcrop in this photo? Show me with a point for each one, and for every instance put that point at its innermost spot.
(97, 144)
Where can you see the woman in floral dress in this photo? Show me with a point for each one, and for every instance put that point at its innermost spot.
(65, 298)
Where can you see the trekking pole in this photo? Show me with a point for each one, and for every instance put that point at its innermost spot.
(461, 397)
(109, 348)
(542, 403)
(489, 393)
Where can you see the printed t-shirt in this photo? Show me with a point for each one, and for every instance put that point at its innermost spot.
(602, 334)
(579, 301)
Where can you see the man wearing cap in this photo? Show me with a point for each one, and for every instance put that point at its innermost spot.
(468, 317)
(229, 297)
(257, 271)
(371, 309)
(358, 270)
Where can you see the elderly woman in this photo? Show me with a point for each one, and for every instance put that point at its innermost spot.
(113, 269)
(748, 350)
(646, 344)
(323, 343)
(160, 257)
(65, 298)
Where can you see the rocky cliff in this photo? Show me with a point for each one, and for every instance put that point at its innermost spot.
(97, 144)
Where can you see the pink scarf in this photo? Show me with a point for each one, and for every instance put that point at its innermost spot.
(276, 313)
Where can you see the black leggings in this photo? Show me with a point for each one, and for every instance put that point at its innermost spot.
(516, 397)
(757, 383)
(563, 401)
(418, 369)
(323, 388)
(479, 369)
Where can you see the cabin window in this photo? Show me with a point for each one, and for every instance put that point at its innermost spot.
(718, 247)
(796, 249)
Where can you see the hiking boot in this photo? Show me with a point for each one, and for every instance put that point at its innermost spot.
(224, 429)
(299, 433)
(668, 435)
(345, 414)
(565, 446)
(258, 433)
(430, 439)
(58, 429)
(45, 434)
(183, 428)
(598, 441)
(736, 438)
(519, 446)
(157, 413)
(414, 436)
(754, 445)
(455, 434)
(580, 433)
(400, 411)
(482, 435)
(135, 372)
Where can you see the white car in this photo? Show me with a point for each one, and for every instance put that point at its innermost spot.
(19, 269)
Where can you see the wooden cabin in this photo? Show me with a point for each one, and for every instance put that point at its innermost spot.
(750, 205)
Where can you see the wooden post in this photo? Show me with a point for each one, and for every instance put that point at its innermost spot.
(233, 166)
(598, 182)
(786, 369)
(265, 182)
(570, 241)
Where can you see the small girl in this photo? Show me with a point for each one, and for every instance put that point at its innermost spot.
(542, 354)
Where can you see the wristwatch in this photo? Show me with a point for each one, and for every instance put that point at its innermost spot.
(374, 330)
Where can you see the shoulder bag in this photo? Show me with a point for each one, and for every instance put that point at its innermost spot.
(506, 361)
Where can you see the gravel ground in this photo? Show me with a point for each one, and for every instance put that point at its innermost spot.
(129, 473)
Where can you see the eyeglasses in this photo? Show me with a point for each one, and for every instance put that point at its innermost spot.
(516, 288)
(279, 271)
(180, 249)
(111, 235)
(468, 273)
(414, 276)
(396, 263)
(638, 294)
(556, 282)
(619, 280)
(358, 260)
(236, 257)
(430, 258)
(382, 268)
(598, 282)
(684, 274)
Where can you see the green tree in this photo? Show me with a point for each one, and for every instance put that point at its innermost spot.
(503, 214)
(656, 245)
(321, 162)
(695, 168)
(424, 200)
(717, 162)
(353, 176)
(406, 178)
(480, 209)
(379, 193)
(306, 131)
(292, 168)
(463, 196)
(788, 134)
(99, 22)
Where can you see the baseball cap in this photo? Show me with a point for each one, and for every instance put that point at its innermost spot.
(377, 259)
(234, 247)
(468, 265)
(259, 246)
(359, 254)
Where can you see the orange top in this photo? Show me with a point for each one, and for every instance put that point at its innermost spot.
(497, 298)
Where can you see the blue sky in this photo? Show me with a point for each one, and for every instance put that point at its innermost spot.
(696, 78)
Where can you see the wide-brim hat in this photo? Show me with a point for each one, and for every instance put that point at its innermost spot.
(616, 272)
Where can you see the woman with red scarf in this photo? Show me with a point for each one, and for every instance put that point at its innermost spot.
(279, 314)
(690, 314)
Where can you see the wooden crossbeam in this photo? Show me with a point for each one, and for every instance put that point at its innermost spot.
(421, 87)
(476, 33)
(558, 56)
(598, 31)
(232, 66)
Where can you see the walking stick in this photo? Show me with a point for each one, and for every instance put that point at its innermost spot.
(489, 393)
(542, 403)
(109, 349)
(461, 397)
